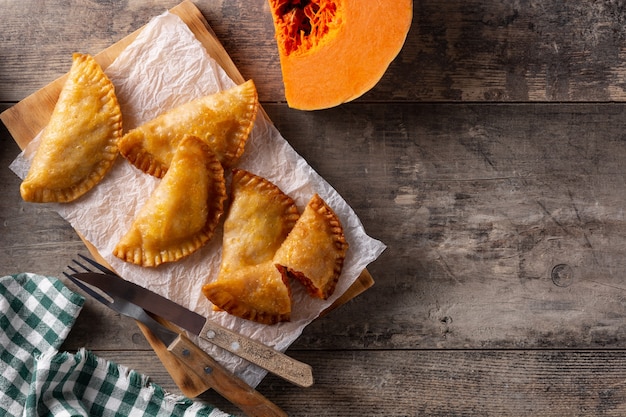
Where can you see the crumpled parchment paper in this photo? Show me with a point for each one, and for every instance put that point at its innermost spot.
(164, 67)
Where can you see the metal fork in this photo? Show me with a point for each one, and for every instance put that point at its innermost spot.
(97, 265)
(117, 304)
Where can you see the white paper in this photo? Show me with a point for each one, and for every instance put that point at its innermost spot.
(164, 67)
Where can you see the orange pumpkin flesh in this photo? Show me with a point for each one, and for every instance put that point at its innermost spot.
(333, 51)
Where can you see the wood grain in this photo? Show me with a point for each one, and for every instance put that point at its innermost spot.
(458, 50)
(446, 383)
(28, 117)
(187, 381)
(489, 159)
(234, 389)
(477, 204)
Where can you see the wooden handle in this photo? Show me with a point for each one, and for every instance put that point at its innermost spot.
(221, 380)
(188, 382)
(255, 352)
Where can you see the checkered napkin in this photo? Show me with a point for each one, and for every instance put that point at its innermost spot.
(36, 315)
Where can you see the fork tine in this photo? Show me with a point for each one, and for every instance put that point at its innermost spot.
(87, 289)
(85, 268)
(74, 270)
(81, 267)
(97, 265)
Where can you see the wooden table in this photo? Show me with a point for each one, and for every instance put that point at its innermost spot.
(491, 159)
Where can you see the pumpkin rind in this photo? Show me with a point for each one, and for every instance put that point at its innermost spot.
(341, 56)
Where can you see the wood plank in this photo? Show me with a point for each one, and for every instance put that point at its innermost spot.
(38, 38)
(477, 204)
(442, 383)
(28, 117)
(26, 46)
(457, 50)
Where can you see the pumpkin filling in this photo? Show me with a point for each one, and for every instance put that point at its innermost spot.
(302, 24)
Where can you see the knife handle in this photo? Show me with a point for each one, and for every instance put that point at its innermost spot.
(250, 401)
(189, 383)
(259, 354)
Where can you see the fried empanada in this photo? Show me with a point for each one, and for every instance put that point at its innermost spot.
(257, 292)
(248, 284)
(314, 250)
(183, 211)
(223, 120)
(79, 144)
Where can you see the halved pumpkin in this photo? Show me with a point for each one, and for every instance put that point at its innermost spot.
(333, 51)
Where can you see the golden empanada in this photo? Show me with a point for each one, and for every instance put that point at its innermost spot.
(315, 249)
(183, 211)
(255, 292)
(223, 120)
(79, 144)
(248, 284)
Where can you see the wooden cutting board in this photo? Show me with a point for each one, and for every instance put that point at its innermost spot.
(28, 117)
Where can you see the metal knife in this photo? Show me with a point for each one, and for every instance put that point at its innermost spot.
(197, 360)
(276, 362)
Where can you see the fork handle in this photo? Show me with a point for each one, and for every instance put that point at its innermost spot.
(250, 401)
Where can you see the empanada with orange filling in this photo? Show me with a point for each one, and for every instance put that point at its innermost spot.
(315, 249)
(258, 221)
(223, 120)
(183, 211)
(79, 144)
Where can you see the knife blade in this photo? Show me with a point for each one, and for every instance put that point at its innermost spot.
(250, 401)
(276, 362)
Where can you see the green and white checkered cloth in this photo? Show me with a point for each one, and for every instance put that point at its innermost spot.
(36, 315)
